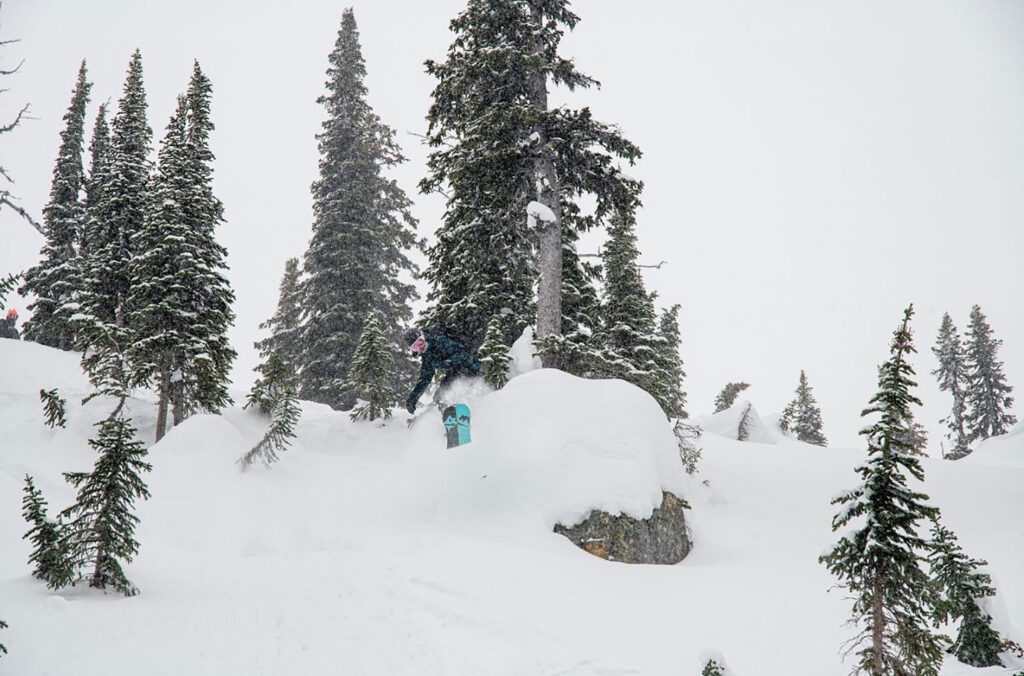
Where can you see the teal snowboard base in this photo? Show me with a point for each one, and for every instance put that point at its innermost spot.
(456, 425)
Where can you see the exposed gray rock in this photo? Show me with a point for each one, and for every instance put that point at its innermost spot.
(661, 538)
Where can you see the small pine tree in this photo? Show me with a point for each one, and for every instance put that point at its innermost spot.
(672, 364)
(285, 339)
(686, 438)
(100, 525)
(952, 377)
(802, 417)
(49, 558)
(494, 353)
(273, 395)
(988, 395)
(3, 648)
(371, 373)
(727, 397)
(712, 668)
(743, 429)
(54, 407)
(879, 563)
(960, 585)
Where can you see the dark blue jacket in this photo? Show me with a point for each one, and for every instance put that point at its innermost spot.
(446, 354)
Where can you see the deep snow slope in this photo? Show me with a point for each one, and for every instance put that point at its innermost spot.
(371, 549)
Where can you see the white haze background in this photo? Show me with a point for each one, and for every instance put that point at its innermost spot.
(810, 168)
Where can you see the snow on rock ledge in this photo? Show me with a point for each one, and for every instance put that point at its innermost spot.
(592, 449)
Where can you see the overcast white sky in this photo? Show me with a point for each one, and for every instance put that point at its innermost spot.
(811, 167)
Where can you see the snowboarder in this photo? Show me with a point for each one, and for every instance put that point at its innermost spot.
(7, 329)
(438, 351)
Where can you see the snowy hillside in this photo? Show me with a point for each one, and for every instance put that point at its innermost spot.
(370, 549)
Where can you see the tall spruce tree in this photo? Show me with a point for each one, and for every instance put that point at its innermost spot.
(952, 377)
(988, 394)
(880, 561)
(121, 206)
(99, 148)
(371, 373)
(54, 278)
(633, 348)
(285, 337)
(160, 313)
(362, 233)
(499, 147)
(208, 355)
(961, 586)
(802, 417)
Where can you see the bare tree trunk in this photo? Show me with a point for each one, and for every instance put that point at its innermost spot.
(549, 255)
(161, 406)
(878, 628)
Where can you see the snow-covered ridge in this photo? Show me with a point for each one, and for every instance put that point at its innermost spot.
(370, 549)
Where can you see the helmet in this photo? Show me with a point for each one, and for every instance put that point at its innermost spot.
(410, 335)
(12, 314)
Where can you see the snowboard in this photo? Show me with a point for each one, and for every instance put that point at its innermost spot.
(456, 425)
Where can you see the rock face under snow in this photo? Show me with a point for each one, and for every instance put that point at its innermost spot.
(661, 539)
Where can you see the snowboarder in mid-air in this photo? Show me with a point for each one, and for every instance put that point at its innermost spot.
(438, 351)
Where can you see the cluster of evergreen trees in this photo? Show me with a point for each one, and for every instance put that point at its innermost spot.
(513, 170)
(130, 265)
(132, 276)
(971, 372)
(902, 584)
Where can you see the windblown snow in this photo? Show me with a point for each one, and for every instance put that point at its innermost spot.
(371, 549)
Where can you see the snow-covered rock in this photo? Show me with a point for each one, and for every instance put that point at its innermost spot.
(727, 424)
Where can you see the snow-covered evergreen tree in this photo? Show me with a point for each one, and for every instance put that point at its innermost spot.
(49, 559)
(727, 397)
(960, 587)
(879, 558)
(494, 353)
(633, 348)
(988, 394)
(7, 285)
(671, 363)
(208, 357)
(802, 417)
(159, 298)
(180, 300)
(274, 395)
(120, 208)
(743, 428)
(952, 377)
(99, 149)
(54, 278)
(362, 232)
(285, 336)
(372, 373)
(495, 143)
(100, 525)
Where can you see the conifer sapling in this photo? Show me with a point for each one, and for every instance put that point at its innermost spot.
(49, 559)
(960, 587)
(273, 395)
(54, 407)
(727, 397)
(494, 354)
(371, 373)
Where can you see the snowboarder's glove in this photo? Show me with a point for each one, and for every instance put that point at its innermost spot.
(410, 405)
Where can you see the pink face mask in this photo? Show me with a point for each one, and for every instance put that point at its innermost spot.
(420, 346)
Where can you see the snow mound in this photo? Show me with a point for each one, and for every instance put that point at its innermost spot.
(566, 446)
(523, 355)
(727, 423)
(1006, 450)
